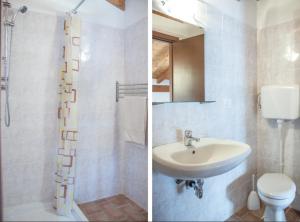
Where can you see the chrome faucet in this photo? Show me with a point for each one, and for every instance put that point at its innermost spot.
(188, 138)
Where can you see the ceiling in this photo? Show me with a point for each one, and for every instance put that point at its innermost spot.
(98, 11)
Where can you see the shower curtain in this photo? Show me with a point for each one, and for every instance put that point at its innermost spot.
(67, 115)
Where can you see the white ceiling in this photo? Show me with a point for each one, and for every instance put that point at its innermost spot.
(98, 11)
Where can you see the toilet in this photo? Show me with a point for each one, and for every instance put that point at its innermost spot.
(277, 191)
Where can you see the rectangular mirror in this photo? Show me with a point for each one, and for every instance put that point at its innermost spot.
(177, 60)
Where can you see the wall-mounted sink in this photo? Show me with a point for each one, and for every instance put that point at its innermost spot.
(207, 158)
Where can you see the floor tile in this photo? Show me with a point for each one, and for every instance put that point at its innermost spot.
(246, 215)
(250, 217)
(116, 208)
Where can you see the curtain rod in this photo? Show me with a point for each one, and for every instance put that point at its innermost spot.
(74, 11)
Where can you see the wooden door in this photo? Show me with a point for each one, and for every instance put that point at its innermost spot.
(188, 70)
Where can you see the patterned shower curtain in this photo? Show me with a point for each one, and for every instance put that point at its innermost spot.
(67, 115)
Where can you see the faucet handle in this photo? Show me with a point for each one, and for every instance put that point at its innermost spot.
(188, 133)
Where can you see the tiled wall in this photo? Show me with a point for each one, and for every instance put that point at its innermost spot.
(98, 148)
(29, 144)
(230, 72)
(135, 158)
(106, 166)
(278, 63)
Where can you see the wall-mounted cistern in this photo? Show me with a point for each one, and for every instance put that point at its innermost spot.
(9, 23)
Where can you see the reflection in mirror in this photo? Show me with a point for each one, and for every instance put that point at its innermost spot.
(161, 72)
(177, 60)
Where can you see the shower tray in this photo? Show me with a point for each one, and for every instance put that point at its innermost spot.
(40, 211)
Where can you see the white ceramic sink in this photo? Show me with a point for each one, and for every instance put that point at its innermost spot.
(207, 158)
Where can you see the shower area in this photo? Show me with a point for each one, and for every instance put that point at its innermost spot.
(73, 110)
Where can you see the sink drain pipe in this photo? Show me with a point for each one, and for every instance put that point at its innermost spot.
(197, 185)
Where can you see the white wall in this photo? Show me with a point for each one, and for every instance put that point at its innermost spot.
(94, 11)
(29, 144)
(244, 12)
(135, 158)
(230, 72)
(136, 10)
(97, 166)
(106, 165)
(274, 12)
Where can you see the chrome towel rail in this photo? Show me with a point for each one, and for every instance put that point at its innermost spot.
(122, 90)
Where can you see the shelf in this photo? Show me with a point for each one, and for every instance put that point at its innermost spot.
(201, 102)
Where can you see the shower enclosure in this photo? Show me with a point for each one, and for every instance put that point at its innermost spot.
(63, 143)
(63, 203)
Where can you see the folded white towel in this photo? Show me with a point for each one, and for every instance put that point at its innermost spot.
(135, 119)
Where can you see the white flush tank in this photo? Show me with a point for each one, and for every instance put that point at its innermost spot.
(280, 102)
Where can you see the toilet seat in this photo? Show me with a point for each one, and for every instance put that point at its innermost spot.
(283, 203)
(276, 186)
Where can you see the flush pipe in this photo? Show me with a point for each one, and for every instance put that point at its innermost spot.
(281, 145)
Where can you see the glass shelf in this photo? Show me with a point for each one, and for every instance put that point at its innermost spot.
(201, 102)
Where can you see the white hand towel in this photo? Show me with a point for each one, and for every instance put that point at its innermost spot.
(135, 119)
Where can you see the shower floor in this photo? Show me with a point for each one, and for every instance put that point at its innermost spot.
(116, 208)
(34, 212)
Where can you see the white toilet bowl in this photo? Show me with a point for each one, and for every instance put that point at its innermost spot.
(277, 191)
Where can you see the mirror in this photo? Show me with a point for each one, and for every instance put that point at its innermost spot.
(177, 60)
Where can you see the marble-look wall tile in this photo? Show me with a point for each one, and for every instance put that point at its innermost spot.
(134, 170)
(98, 148)
(29, 144)
(230, 80)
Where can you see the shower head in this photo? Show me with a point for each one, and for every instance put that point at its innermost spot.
(22, 9)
